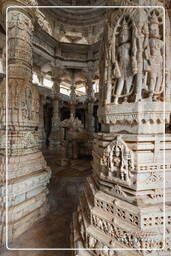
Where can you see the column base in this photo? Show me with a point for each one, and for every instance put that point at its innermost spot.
(27, 193)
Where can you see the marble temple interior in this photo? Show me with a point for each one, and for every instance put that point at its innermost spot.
(85, 128)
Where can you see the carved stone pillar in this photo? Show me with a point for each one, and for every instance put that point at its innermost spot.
(41, 127)
(28, 173)
(73, 97)
(54, 139)
(122, 206)
(90, 105)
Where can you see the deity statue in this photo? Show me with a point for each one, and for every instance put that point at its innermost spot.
(115, 161)
(124, 62)
(118, 160)
(153, 63)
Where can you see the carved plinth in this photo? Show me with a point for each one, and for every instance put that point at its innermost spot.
(137, 162)
(28, 176)
(138, 118)
(104, 221)
(123, 202)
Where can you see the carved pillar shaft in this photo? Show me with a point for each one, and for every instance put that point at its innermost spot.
(73, 97)
(90, 104)
(19, 46)
(26, 165)
(54, 139)
(41, 128)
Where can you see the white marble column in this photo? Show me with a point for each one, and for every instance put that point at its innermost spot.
(73, 97)
(41, 127)
(28, 173)
(54, 139)
(90, 105)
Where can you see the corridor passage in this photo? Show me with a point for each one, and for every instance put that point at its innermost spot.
(53, 231)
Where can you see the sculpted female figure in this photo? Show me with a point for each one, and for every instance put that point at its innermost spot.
(154, 58)
(124, 62)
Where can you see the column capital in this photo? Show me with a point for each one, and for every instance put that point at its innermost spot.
(28, 11)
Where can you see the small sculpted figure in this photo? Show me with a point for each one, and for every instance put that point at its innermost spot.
(124, 62)
(153, 63)
(118, 160)
(115, 162)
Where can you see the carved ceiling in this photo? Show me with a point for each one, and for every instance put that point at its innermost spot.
(76, 33)
(75, 25)
(74, 2)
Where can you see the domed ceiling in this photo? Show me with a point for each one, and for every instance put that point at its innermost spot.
(75, 25)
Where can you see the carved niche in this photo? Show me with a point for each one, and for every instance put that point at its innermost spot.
(118, 160)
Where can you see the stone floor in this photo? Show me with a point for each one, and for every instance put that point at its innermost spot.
(54, 230)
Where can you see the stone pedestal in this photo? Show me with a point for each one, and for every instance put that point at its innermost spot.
(124, 203)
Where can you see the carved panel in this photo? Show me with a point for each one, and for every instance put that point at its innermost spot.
(132, 56)
(118, 160)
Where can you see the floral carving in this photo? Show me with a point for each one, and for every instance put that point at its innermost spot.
(154, 178)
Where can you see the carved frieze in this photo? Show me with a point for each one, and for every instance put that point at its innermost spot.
(19, 45)
(23, 104)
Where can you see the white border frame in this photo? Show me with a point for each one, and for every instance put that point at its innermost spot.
(164, 107)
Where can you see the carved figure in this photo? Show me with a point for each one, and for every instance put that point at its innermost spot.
(118, 160)
(153, 63)
(124, 62)
(115, 161)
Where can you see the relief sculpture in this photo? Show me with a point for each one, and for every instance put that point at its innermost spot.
(124, 65)
(133, 59)
(118, 160)
(154, 53)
